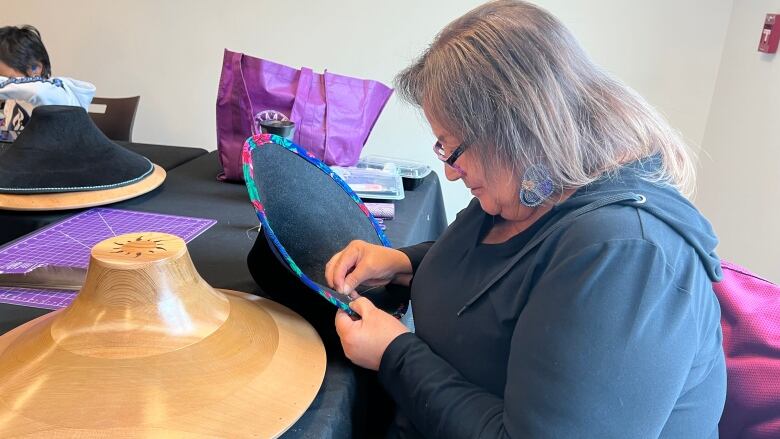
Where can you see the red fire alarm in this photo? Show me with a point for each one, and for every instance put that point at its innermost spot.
(770, 35)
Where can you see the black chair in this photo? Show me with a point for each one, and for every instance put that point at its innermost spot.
(116, 122)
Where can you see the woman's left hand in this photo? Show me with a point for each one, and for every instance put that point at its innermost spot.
(365, 341)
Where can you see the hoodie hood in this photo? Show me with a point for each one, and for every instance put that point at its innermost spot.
(81, 92)
(660, 200)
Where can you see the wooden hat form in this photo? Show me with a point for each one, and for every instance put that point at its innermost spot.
(148, 349)
(84, 199)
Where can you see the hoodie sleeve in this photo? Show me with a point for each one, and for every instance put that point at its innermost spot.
(52, 91)
(416, 253)
(602, 349)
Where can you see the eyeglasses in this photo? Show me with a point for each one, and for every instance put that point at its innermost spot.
(438, 148)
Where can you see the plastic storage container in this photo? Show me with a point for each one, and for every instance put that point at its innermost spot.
(410, 171)
(371, 183)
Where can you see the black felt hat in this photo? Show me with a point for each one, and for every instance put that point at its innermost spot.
(61, 151)
(308, 214)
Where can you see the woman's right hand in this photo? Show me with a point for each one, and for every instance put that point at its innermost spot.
(361, 263)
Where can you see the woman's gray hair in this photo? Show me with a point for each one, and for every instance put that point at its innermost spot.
(509, 79)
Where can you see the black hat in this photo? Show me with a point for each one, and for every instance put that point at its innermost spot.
(62, 151)
(308, 213)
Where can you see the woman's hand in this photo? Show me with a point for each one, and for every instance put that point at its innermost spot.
(365, 340)
(361, 263)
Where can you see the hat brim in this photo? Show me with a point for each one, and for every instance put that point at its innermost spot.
(263, 353)
(315, 210)
(82, 199)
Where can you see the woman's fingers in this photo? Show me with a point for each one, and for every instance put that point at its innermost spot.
(365, 341)
(348, 262)
(362, 306)
(359, 263)
(344, 323)
(354, 278)
(329, 269)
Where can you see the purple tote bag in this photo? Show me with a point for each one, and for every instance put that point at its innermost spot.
(333, 114)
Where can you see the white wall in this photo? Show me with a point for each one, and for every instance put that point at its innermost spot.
(170, 53)
(739, 183)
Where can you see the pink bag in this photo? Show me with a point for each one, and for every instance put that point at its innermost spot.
(750, 317)
(333, 114)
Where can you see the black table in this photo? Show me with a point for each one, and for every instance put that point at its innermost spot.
(166, 157)
(16, 224)
(220, 254)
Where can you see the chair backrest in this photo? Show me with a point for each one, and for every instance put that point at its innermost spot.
(117, 120)
(750, 317)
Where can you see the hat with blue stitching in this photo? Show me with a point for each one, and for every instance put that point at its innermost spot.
(61, 160)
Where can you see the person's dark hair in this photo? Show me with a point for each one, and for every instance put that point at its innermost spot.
(22, 47)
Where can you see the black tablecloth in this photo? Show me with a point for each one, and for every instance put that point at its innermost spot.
(166, 157)
(16, 224)
(220, 254)
(420, 216)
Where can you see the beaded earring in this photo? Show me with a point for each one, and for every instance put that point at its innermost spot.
(537, 185)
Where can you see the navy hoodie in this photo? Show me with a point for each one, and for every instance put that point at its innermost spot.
(597, 322)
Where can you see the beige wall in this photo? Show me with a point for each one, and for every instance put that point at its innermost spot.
(739, 181)
(170, 52)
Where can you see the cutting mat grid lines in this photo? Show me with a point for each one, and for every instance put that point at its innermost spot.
(69, 242)
(51, 299)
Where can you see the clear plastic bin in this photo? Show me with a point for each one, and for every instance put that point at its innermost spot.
(410, 171)
(372, 183)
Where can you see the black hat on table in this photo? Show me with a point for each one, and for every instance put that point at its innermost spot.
(61, 160)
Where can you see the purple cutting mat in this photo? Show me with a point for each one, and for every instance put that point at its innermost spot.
(69, 242)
